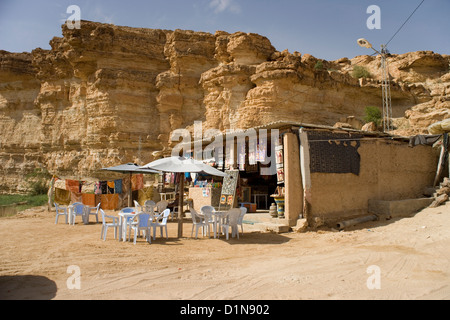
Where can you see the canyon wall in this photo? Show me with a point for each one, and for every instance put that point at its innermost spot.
(105, 95)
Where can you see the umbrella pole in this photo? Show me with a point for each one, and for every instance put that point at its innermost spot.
(180, 206)
(129, 193)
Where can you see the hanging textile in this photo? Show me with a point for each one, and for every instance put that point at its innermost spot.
(62, 196)
(279, 159)
(75, 197)
(88, 187)
(332, 152)
(220, 159)
(110, 185)
(104, 187)
(109, 201)
(252, 152)
(88, 199)
(118, 186)
(144, 195)
(98, 199)
(280, 175)
(242, 157)
(73, 185)
(97, 188)
(427, 140)
(261, 149)
(125, 184)
(137, 182)
(122, 200)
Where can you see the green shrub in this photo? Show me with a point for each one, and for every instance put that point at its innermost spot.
(373, 114)
(360, 72)
(319, 65)
(38, 181)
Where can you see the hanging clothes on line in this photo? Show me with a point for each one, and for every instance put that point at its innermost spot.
(118, 186)
(427, 140)
(73, 185)
(97, 188)
(110, 185)
(62, 197)
(104, 187)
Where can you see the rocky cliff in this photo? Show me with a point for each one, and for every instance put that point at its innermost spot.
(105, 95)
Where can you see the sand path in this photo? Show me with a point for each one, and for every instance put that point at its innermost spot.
(412, 255)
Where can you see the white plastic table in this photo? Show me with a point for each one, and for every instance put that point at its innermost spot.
(123, 218)
(218, 215)
(70, 209)
(86, 214)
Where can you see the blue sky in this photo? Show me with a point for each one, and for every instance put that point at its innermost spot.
(327, 29)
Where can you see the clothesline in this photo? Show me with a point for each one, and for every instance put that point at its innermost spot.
(117, 186)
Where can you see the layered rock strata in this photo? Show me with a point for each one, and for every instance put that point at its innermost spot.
(105, 95)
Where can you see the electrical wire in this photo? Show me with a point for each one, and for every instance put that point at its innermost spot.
(404, 23)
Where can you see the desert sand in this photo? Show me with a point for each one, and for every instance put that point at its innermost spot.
(411, 254)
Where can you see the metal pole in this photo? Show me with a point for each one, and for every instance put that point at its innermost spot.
(181, 205)
(386, 92)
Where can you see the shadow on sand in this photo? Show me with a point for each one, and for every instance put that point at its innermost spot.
(256, 238)
(27, 288)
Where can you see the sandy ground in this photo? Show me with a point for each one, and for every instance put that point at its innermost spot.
(410, 254)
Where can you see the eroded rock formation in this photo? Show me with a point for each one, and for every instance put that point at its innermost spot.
(105, 95)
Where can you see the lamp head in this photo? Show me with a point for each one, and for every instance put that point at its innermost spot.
(364, 43)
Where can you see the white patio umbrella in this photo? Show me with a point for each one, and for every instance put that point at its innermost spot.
(130, 168)
(182, 165)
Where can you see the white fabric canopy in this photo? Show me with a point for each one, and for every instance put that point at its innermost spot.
(180, 164)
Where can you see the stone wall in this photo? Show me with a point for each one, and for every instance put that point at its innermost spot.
(389, 170)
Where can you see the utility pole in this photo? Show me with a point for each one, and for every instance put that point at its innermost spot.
(386, 84)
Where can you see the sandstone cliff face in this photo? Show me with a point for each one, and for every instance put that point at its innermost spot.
(106, 95)
(20, 119)
(426, 75)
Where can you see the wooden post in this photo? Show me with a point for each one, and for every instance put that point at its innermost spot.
(130, 193)
(50, 193)
(181, 206)
(444, 152)
(292, 178)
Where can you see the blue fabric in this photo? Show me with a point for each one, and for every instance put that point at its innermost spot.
(118, 186)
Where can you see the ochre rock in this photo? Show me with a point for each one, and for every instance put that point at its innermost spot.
(105, 95)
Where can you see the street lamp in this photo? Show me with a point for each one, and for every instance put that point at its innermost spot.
(386, 84)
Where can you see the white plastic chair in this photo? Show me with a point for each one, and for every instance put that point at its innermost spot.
(207, 212)
(231, 220)
(198, 222)
(96, 208)
(138, 207)
(60, 211)
(105, 226)
(161, 222)
(149, 206)
(140, 222)
(78, 210)
(161, 206)
(241, 218)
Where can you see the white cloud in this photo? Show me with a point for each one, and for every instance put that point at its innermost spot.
(225, 5)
